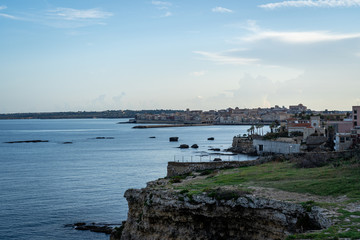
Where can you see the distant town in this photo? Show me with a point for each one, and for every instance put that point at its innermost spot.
(292, 130)
(239, 116)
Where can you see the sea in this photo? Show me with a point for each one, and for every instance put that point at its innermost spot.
(80, 171)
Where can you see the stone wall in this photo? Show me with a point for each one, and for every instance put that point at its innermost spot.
(181, 168)
(242, 145)
(327, 155)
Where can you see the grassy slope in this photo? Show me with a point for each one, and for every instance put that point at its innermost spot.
(342, 178)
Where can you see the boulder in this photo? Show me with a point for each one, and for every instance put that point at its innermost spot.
(215, 149)
(174, 139)
(182, 146)
(194, 146)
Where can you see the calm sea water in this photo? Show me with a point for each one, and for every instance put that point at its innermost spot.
(44, 186)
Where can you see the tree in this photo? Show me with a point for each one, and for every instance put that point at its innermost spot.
(251, 130)
(257, 126)
(272, 126)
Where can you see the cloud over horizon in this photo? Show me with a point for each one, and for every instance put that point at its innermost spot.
(312, 3)
(226, 57)
(294, 37)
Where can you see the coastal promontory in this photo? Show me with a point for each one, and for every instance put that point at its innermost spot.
(273, 200)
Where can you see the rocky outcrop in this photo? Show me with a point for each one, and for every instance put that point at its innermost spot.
(156, 213)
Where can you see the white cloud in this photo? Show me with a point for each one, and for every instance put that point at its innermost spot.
(167, 14)
(301, 37)
(75, 14)
(4, 15)
(226, 58)
(304, 37)
(313, 3)
(198, 74)
(161, 3)
(221, 10)
(9, 16)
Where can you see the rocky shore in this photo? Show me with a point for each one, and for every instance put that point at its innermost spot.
(283, 197)
(159, 213)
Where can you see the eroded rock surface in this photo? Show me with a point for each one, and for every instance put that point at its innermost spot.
(156, 213)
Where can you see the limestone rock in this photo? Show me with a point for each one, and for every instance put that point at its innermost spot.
(166, 214)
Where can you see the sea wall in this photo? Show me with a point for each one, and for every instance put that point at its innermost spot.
(168, 214)
(181, 168)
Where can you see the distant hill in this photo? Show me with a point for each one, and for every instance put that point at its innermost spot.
(83, 114)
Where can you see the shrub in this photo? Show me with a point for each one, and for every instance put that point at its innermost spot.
(312, 160)
(221, 194)
(206, 172)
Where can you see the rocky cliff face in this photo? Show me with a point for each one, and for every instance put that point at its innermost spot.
(167, 214)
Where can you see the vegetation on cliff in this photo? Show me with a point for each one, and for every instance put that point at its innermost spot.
(333, 185)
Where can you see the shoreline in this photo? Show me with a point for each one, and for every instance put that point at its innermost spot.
(172, 125)
(194, 125)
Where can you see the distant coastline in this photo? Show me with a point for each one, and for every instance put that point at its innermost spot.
(171, 125)
(193, 125)
(82, 114)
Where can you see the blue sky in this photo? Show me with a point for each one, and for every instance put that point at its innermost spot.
(200, 54)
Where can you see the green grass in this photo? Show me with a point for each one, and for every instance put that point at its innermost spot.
(322, 181)
(342, 178)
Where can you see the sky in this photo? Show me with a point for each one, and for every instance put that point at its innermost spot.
(95, 55)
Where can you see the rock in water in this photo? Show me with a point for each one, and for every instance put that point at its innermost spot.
(182, 146)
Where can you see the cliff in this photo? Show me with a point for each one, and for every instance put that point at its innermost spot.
(157, 212)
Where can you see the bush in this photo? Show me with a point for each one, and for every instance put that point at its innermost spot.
(176, 179)
(296, 134)
(270, 135)
(312, 160)
(184, 191)
(221, 194)
(206, 172)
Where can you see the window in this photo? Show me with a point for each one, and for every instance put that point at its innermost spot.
(355, 117)
(355, 111)
(342, 139)
(355, 123)
(347, 139)
(261, 147)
